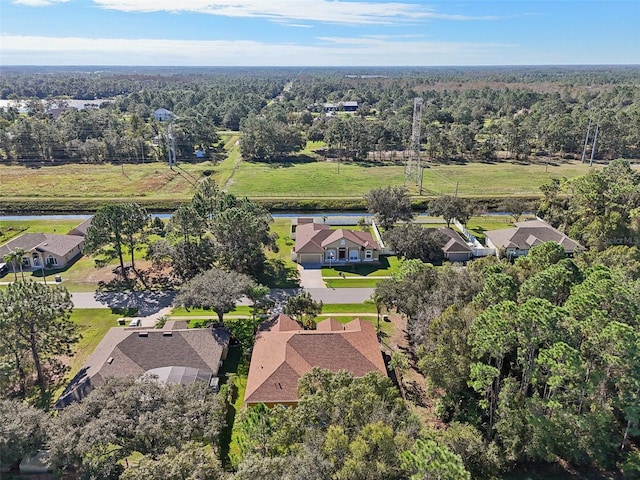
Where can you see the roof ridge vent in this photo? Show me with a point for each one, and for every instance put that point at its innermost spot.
(143, 334)
(167, 333)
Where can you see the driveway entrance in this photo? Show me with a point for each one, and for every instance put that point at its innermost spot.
(311, 276)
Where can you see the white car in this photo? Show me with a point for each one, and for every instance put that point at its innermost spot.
(135, 322)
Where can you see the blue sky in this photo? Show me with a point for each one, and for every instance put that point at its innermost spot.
(318, 32)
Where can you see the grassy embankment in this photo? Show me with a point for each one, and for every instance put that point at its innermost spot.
(306, 182)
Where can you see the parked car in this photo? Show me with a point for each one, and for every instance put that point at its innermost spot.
(135, 322)
(4, 268)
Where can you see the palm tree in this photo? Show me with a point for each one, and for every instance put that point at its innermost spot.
(20, 252)
(11, 258)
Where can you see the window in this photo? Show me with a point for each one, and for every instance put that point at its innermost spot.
(51, 260)
(25, 262)
(368, 254)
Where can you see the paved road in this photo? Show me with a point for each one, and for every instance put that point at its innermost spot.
(150, 303)
(147, 303)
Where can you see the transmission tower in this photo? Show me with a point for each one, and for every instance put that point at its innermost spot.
(171, 145)
(413, 168)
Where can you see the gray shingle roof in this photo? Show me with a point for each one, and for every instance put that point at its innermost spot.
(49, 242)
(529, 234)
(133, 352)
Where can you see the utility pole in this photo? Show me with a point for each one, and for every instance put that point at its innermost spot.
(595, 141)
(413, 168)
(586, 140)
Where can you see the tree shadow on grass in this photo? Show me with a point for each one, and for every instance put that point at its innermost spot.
(364, 270)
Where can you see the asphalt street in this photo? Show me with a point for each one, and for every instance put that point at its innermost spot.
(149, 303)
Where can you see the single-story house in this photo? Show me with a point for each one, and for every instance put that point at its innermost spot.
(52, 250)
(515, 242)
(174, 356)
(330, 107)
(283, 352)
(318, 243)
(81, 230)
(163, 115)
(454, 247)
(350, 106)
(56, 112)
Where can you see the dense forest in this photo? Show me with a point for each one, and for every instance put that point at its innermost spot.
(469, 114)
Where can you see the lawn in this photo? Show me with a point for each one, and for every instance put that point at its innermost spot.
(385, 327)
(348, 308)
(355, 283)
(244, 310)
(478, 225)
(388, 266)
(93, 324)
(12, 228)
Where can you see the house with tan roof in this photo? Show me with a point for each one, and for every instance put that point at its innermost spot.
(317, 243)
(173, 356)
(454, 246)
(52, 250)
(283, 352)
(515, 242)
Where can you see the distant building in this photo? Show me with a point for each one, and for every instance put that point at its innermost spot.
(163, 115)
(351, 106)
(56, 112)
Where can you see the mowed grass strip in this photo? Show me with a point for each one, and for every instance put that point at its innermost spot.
(243, 310)
(328, 308)
(322, 179)
(101, 181)
(497, 179)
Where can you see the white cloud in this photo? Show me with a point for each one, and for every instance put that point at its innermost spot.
(38, 3)
(326, 11)
(330, 51)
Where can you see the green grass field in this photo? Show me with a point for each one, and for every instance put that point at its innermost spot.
(388, 266)
(348, 308)
(93, 324)
(322, 179)
(201, 312)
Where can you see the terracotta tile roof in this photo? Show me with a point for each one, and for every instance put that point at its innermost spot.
(529, 234)
(53, 243)
(281, 357)
(132, 352)
(363, 239)
(309, 237)
(314, 237)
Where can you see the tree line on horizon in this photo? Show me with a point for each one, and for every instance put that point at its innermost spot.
(466, 115)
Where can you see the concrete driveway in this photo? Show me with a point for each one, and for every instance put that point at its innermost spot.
(310, 276)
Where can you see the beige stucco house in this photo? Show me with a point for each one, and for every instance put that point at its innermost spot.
(317, 243)
(515, 242)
